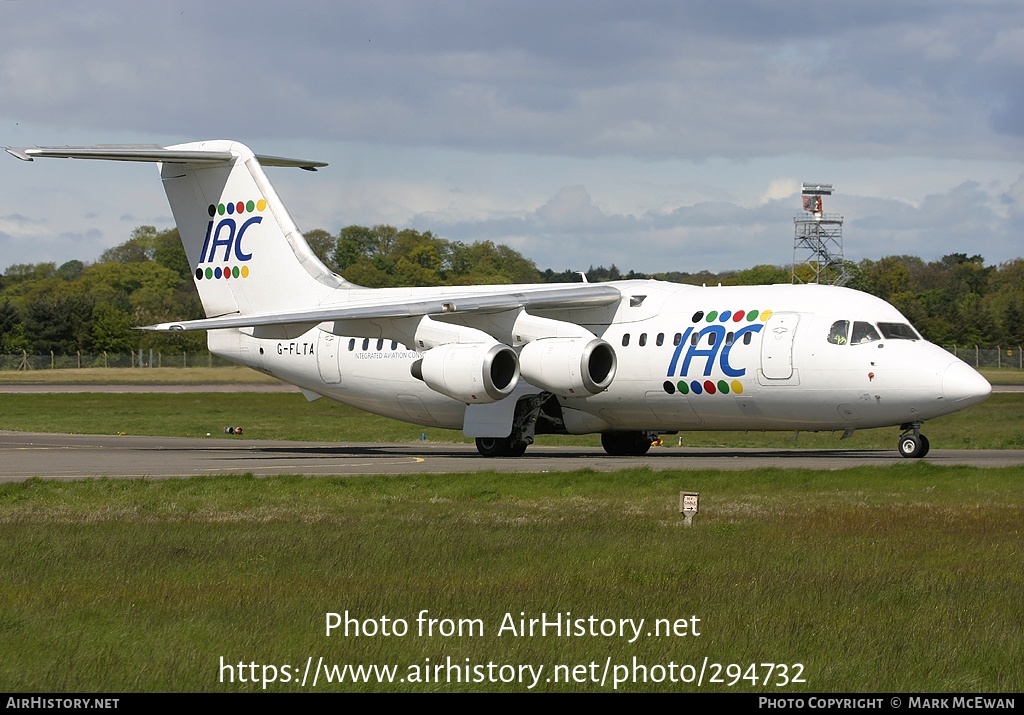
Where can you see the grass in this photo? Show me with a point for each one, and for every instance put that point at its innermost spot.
(895, 579)
(1003, 375)
(995, 424)
(901, 579)
(131, 376)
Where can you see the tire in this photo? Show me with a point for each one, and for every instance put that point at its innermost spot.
(500, 447)
(625, 444)
(516, 448)
(492, 446)
(925, 446)
(913, 446)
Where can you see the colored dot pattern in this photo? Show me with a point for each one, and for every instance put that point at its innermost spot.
(237, 207)
(727, 316)
(709, 387)
(219, 273)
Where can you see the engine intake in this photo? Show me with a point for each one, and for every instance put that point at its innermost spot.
(474, 373)
(569, 367)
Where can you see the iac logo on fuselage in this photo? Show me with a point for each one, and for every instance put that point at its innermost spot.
(223, 248)
(706, 347)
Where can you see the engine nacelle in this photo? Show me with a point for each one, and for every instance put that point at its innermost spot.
(474, 373)
(568, 367)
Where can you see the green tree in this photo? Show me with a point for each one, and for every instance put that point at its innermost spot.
(1012, 325)
(137, 249)
(112, 330)
(762, 274)
(169, 253)
(62, 324)
(71, 270)
(323, 245)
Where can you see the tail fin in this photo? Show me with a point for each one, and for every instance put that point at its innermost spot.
(246, 253)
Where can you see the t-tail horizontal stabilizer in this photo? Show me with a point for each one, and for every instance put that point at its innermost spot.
(151, 153)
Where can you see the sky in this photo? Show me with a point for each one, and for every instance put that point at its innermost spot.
(656, 136)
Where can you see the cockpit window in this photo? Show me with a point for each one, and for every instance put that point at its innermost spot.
(898, 331)
(864, 333)
(837, 334)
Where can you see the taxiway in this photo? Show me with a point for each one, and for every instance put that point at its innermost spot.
(26, 455)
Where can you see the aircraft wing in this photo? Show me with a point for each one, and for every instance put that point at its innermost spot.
(583, 295)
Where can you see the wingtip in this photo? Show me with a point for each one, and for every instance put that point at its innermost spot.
(18, 153)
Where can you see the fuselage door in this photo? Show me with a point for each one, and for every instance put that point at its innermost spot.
(327, 355)
(777, 346)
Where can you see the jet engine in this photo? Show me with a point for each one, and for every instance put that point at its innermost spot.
(474, 373)
(568, 367)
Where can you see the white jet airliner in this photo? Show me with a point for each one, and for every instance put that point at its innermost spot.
(628, 359)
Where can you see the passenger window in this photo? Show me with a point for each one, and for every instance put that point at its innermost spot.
(380, 344)
(694, 338)
(643, 339)
(625, 339)
(366, 343)
(747, 337)
(864, 333)
(661, 340)
(677, 338)
(838, 332)
(351, 344)
(394, 345)
(729, 338)
(711, 338)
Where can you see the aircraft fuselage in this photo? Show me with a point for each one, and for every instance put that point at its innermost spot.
(689, 358)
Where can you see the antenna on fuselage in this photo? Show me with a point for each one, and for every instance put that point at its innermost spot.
(818, 241)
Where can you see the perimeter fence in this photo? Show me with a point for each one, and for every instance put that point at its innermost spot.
(989, 357)
(141, 359)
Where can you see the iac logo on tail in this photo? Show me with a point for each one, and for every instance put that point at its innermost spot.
(223, 244)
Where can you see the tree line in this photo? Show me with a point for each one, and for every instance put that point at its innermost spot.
(95, 307)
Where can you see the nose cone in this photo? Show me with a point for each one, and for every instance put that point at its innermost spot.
(962, 385)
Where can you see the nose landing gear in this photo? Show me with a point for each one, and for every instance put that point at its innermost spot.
(913, 444)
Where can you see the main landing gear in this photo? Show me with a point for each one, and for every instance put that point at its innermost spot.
(913, 444)
(501, 446)
(627, 444)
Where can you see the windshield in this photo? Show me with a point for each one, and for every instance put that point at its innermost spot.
(898, 331)
(864, 333)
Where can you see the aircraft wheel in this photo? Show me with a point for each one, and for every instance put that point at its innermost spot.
(491, 446)
(613, 444)
(925, 446)
(500, 447)
(626, 444)
(913, 446)
(517, 448)
(640, 444)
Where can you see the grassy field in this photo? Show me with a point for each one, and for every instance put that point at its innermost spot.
(873, 579)
(904, 579)
(995, 424)
(134, 375)
(1003, 376)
